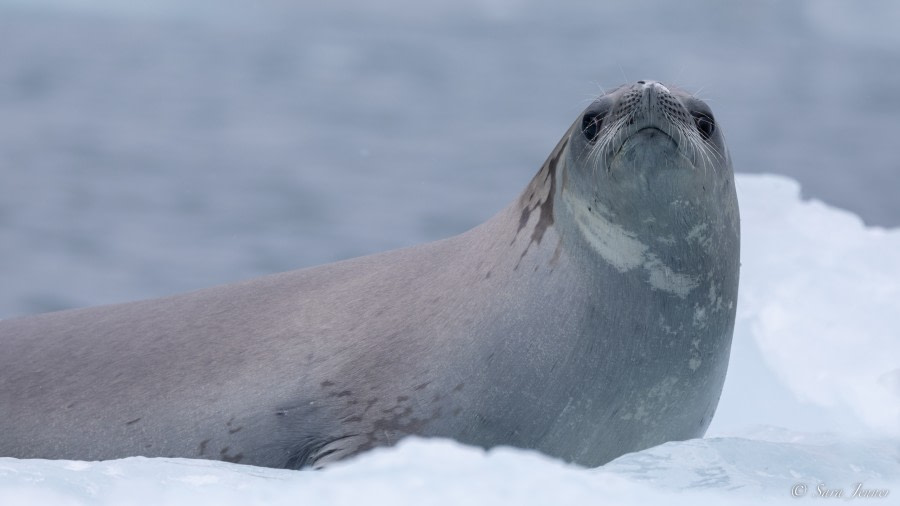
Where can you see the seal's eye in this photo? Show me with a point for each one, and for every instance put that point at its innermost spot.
(591, 123)
(706, 125)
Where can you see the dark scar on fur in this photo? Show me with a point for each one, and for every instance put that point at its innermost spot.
(545, 178)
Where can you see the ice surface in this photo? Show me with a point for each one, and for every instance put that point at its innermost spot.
(442, 472)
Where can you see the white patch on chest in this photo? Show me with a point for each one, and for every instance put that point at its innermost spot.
(624, 251)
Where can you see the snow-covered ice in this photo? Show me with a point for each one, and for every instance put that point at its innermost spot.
(439, 472)
(811, 405)
(820, 297)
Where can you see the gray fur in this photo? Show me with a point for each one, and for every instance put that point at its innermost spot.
(590, 318)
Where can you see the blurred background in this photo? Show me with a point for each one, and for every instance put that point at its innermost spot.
(156, 146)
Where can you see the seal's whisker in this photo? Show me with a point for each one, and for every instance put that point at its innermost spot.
(601, 147)
(697, 93)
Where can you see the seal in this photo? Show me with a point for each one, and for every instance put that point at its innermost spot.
(591, 317)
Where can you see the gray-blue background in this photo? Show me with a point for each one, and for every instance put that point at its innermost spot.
(151, 147)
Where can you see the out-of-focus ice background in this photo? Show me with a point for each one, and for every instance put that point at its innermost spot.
(153, 147)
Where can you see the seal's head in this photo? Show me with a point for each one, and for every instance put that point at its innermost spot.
(645, 142)
(647, 177)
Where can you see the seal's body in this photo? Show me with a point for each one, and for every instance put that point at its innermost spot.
(590, 318)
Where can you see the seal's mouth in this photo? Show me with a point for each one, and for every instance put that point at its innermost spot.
(651, 129)
(651, 133)
(646, 136)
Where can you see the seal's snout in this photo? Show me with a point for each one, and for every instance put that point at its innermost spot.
(650, 97)
(661, 109)
(652, 88)
(650, 119)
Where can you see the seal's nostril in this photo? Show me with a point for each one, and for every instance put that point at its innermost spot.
(642, 82)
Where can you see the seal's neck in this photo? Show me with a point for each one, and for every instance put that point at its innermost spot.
(668, 236)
